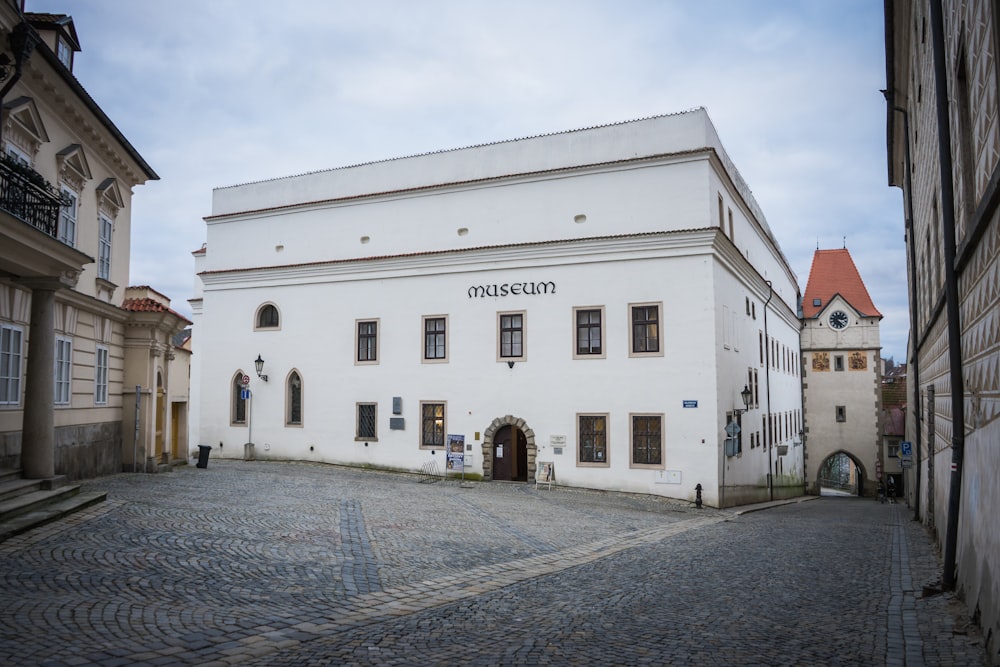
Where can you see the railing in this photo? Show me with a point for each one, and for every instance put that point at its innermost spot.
(28, 197)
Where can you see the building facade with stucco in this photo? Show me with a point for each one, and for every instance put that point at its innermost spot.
(596, 300)
(72, 350)
(841, 372)
(943, 147)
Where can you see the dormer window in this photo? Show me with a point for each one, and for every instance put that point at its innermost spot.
(65, 53)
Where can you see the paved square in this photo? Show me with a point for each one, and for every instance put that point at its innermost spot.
(292, 564)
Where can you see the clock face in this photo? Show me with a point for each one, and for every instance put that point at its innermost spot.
(838, 319)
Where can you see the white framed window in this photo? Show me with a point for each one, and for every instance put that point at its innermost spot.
(644, 333)
(63, 370)
(432, 424)
(588, 333)
(511, 343)
(366, 341)
(435, 338)
(11, 355)
(104, 247)
(366, 426)
(592, 440)
(17, 155)
(101, 375)
(647, 440)
(67, 216)
(64, 52)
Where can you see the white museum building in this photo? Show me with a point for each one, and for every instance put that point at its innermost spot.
(606, 301)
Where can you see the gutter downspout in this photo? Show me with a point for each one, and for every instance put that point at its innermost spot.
(951, 294)
(914, 307)
(767, 393)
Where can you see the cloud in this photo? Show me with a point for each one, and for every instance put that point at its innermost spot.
(214, 94)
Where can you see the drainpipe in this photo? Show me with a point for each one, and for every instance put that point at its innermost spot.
(951, 295)
(767, 395)
(915, 306)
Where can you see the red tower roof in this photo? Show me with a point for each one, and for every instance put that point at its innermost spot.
(833, 272)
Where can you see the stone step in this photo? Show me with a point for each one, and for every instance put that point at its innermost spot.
(45, 513)
(14, 487)
(34, 499)
(7, 474)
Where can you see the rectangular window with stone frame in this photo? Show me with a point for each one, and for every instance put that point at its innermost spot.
(367, 342)
(647, 441)
(435, 338)
(589, 333)
(511, 341)
(432, 424)
(592, 439)
(367, 422)
(644, 330)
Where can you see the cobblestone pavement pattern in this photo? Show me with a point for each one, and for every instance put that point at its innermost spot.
(297, 564)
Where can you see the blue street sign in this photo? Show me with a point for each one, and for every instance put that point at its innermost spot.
(690, 404)
(906, 448)
(245, 394)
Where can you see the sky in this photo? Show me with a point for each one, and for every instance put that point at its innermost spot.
(215, 93)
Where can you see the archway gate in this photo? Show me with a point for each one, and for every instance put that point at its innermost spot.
(491, 431)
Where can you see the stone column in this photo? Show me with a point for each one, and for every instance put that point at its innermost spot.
(38, 429)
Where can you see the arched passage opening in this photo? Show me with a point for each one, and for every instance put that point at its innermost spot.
(841, 474)
(515, 459)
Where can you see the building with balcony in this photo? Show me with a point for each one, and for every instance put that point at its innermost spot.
(69, 350)
(596, 300)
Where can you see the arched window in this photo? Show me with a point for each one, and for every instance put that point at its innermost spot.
(293, 401)
(267, 317)
(239, 410)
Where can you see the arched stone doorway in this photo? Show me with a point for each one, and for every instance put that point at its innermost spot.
(518, 441)
(841, 474)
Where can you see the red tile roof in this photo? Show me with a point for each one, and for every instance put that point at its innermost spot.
(833, 272)
(146, 305)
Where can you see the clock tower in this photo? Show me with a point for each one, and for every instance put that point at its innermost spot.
(841, 378)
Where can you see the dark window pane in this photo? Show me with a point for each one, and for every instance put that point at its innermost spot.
(646, 440)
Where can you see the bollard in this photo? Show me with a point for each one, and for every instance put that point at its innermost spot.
(697, 497)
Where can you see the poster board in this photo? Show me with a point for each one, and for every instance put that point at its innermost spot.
(545, 473)
(456, 454)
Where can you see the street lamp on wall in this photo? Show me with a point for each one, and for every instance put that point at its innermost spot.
(747, 396)
(259, 363)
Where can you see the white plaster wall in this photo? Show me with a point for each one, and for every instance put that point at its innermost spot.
(547, 391)
(643, 198)
(311, 262)
(660, 135)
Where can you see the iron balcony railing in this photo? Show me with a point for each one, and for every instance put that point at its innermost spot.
(27, 196)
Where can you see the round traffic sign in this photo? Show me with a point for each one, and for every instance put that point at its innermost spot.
(246, 379)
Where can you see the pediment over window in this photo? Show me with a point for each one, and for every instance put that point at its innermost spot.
(23, 125)
(109, 197)
(73, 166)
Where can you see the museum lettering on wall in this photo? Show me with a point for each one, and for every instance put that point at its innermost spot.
(512, 289)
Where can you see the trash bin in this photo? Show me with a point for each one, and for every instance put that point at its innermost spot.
(248, 451)
(203, 451)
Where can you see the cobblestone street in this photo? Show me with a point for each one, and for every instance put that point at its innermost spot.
(260, 563)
